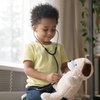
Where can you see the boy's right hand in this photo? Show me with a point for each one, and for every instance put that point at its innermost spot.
(53, 77)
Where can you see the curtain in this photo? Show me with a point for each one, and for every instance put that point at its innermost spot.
(72, 38)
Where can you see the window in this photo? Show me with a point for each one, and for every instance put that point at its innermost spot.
(11, 29)
(14, 24)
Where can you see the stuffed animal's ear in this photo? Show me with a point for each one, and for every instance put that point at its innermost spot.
(86, 69)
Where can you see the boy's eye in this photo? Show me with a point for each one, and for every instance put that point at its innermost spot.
(52, 30)
(45, 30)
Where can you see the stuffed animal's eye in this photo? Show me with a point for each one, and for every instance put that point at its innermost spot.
(75, 64)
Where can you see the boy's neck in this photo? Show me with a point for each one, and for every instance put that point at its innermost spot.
(45, 43)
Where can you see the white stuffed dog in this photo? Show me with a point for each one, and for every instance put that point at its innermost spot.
(80, 69)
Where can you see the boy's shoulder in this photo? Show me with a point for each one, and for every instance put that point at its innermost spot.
(32, 43)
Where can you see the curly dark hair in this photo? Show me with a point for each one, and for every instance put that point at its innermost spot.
(43, 11)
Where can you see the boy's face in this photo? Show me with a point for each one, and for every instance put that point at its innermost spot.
(45, 30)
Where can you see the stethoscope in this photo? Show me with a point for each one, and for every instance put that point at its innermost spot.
(55, 49)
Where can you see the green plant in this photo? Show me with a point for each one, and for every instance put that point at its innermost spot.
(96, 10)
(96, 6)
(84, 21)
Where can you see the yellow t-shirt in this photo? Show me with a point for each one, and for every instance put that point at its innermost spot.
(43, 61)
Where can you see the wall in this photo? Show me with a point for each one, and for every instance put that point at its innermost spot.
(12, 82)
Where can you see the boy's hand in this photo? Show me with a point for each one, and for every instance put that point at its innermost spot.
(53, 77)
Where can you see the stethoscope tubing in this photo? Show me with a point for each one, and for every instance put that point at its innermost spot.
(55, 50)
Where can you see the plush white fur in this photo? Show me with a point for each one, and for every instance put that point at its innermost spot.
(71, 81)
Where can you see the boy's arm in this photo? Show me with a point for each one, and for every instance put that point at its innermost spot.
(30, 71)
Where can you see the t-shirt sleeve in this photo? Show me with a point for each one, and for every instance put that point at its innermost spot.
(63, 55)
(28, 53)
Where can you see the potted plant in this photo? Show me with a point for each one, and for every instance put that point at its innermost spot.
(96, 9)
(84, 21)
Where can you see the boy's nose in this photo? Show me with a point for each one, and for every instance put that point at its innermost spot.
(50, 32)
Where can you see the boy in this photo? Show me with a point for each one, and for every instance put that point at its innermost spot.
(43, 59)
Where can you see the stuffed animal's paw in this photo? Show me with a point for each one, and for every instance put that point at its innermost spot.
(45, 96)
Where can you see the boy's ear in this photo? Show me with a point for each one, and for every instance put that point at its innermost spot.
(34, 28)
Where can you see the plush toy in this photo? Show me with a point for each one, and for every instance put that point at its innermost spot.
(80, 69)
